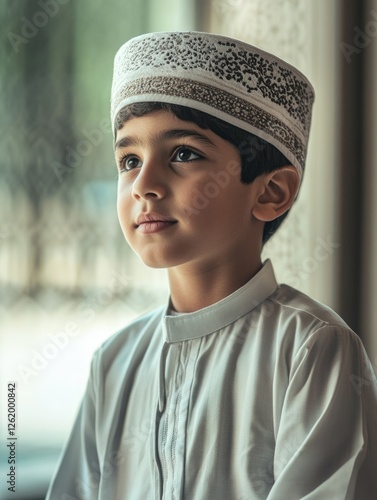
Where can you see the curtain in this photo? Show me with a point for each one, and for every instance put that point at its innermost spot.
(357, 284)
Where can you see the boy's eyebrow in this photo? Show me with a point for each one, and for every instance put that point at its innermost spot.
(168, 134)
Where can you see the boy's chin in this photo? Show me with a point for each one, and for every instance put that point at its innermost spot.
(154, 265)
(159, 261)
(154, 262)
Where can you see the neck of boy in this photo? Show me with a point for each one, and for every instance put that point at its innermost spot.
(195, 287)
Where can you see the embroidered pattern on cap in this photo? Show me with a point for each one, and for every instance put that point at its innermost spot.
(221, 76)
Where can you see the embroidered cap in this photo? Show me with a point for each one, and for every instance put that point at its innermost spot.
(224, 77)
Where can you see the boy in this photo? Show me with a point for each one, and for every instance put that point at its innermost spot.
(239, 388)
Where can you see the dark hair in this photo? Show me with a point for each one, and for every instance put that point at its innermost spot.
(257, 155)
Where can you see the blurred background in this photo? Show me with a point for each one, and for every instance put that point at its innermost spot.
(68, 278)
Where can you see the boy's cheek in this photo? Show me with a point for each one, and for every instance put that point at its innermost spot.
(123, 215)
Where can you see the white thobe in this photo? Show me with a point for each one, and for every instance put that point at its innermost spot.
(266, 394)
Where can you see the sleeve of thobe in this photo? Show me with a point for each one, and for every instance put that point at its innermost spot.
(78, 473)
(326, 440)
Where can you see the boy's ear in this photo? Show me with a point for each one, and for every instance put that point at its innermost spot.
(276, 193)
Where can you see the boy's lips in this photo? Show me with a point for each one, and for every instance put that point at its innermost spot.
(152, 222)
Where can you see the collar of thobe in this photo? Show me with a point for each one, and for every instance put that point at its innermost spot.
(189, 326)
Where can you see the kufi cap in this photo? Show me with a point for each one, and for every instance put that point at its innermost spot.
(224, 77)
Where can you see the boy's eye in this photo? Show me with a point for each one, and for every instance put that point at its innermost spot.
(185, 154)
(129, 162)
(181, 155)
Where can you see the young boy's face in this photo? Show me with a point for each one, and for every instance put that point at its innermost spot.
(180, 198)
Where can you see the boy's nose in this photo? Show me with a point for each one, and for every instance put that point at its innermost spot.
(149, 182)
